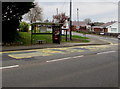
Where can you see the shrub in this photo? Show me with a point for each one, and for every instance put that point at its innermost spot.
(23, 27)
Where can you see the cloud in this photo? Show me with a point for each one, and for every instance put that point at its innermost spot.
(49, 8)
(77, 0)
(94, 10)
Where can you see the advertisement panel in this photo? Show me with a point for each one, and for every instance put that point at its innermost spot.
(56, 34)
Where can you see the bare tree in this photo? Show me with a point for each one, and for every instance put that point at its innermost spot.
(60, 18)
(87, 20)
(35, 14)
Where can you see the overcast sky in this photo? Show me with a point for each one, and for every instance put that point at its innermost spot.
(96, 10)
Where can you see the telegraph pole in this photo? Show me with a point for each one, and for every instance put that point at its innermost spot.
(70, 20)
(57, 11)
(78, 16)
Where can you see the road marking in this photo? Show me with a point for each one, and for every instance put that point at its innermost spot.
(106, 52)
(18, 57)
(108, 41)
(51, 51)
(65, 58)
(19, 51)
(9, 67)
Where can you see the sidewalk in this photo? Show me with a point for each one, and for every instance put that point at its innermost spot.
(93, 41)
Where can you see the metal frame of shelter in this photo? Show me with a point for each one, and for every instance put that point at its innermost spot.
(66, 37)
(56, 31)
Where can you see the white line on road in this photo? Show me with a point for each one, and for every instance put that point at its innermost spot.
(64, 58)
(106, 52)
(9, 67)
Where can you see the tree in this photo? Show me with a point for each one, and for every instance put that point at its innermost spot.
(35, 14)
(87, 20)
(46, 21)
(60, 18)
(11, 15)
(23, 27)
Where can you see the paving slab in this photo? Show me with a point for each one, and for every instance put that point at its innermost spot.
(93, 41)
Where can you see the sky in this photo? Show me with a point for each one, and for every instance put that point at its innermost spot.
(96, 10)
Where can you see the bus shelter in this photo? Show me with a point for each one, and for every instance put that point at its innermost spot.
(56, 31)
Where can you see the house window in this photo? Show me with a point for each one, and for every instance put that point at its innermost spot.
(113, 29)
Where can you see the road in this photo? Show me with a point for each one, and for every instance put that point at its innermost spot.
(78, 66)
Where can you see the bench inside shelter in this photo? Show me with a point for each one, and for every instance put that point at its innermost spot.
(40, 41)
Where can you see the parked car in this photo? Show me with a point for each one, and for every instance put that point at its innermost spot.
(102, 33)
(119, 37)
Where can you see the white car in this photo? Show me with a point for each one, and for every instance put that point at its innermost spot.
(101, 33)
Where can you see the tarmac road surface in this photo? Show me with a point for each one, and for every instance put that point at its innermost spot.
(78, 66)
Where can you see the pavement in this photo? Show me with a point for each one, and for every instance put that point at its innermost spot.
(93, 41)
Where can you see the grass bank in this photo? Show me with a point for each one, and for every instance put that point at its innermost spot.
(25, 38)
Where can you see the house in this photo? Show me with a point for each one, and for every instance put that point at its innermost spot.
(113, 28)
(80, 26)
(107, 26)
(45, 28)
(42, 28)
(65, 27)
(97, 29)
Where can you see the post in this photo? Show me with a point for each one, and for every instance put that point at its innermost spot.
(31, 32)
(31, 26)
(70, 20)
(66, 35)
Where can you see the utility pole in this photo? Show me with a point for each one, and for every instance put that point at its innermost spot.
(70, 20)
(57, 11)
(78, 16)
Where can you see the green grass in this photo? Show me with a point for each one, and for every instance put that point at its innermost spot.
(79, 37)
(47, 38)
(76, 38)
(26, 38)
(83, 32)
(37, 31)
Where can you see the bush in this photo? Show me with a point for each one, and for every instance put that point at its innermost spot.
(24, 27)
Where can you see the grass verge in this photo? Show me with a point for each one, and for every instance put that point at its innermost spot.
(25, 38)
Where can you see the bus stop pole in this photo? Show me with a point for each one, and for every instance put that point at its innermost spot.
(31, 32)
(66, 34)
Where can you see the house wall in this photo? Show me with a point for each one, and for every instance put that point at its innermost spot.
(49, 29)
(113, 28)
(97, 29)
(43, 29)
(83, 28)
(105, 29)
(74, 28)
(88, 27)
